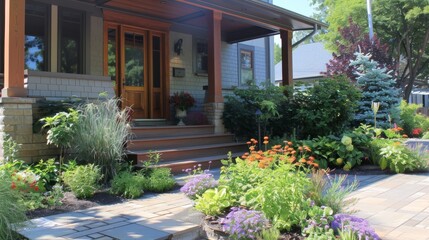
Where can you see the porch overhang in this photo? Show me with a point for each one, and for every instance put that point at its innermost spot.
(242, 19)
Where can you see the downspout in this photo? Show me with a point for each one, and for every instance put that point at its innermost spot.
(306, 36)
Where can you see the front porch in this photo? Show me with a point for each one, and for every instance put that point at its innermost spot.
(142, 51)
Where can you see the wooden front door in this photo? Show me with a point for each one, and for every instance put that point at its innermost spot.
(136, 62)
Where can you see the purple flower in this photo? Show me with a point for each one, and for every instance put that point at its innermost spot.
(198, 184)
(243, 224)
(356, 224)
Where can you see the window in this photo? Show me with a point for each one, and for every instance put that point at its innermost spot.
(1, 37)
(201, 56)
(70, 47)
(246, 64)
(36, 36)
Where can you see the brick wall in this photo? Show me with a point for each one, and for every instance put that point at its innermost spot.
(62, 85)
(16, 120)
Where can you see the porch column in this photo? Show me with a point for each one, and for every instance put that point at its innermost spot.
(214, 58)
(214, 105)
(287, 70)
(14, 49)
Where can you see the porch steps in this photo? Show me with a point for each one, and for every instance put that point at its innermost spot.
(182, 147)
(150, 122)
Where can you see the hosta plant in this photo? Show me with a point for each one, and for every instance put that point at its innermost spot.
(214, 201)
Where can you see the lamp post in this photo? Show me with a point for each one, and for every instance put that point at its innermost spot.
(258, 114)
(369, 10)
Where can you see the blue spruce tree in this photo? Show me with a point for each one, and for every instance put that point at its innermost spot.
(377, 85)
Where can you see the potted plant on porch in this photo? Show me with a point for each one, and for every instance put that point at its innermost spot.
(181, 102)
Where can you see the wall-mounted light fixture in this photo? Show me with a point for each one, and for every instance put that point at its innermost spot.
(178, 47)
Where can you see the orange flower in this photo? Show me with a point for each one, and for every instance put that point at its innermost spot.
(290, 143)
(248, 143)
(13, 186)
(300, 148)
(293, 152)
(315, 165)
(311, 158)
(404, 135)
(252, 148)
(265, 142)
(306, 148)
(302, 160)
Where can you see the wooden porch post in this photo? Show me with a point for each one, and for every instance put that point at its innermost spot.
(287, 71)
(214, 58)
(214, 105)
(14, 49)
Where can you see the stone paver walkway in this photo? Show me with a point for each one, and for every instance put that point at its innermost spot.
(163, 216)
(397, 206)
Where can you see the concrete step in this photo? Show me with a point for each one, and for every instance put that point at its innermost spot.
(186, 153)
(177, 142)
(170, 131)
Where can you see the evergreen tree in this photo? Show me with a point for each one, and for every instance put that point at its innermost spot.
(377, 85)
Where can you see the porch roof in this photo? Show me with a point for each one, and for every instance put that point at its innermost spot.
(242, 19)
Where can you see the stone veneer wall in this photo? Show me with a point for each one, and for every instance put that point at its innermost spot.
(16, 120)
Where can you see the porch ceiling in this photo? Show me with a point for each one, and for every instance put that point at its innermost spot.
(242, 19)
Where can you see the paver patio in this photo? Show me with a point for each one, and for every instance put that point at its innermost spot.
(397, 206)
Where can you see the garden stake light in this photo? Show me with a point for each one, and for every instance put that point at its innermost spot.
(375, 106)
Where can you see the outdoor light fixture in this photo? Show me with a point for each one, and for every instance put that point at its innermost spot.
(178, 47)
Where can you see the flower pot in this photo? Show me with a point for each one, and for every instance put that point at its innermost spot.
(180, 114)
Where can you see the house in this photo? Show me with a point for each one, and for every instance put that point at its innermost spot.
(309, 61)
(139, 50)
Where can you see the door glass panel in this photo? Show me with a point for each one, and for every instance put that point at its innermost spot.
(134, 59)
(156, 55)
(111, 53)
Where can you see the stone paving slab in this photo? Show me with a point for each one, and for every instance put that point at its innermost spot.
(397, 206)
(162, 216)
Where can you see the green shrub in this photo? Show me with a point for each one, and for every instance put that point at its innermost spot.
(83, 181)
(411, 119)
(399, 158)
(160, 180)
(239, 115)
(336, 152)
(101, 134)
(328, 108)
(48, 171)
(12, 213)
(128, 185)
(280, 197)
(240, 177)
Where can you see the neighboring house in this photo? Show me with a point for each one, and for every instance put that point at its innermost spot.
(139, 50)
(308, 63)
(420, 96)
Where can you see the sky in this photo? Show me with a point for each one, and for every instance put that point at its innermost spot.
(299, 6)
